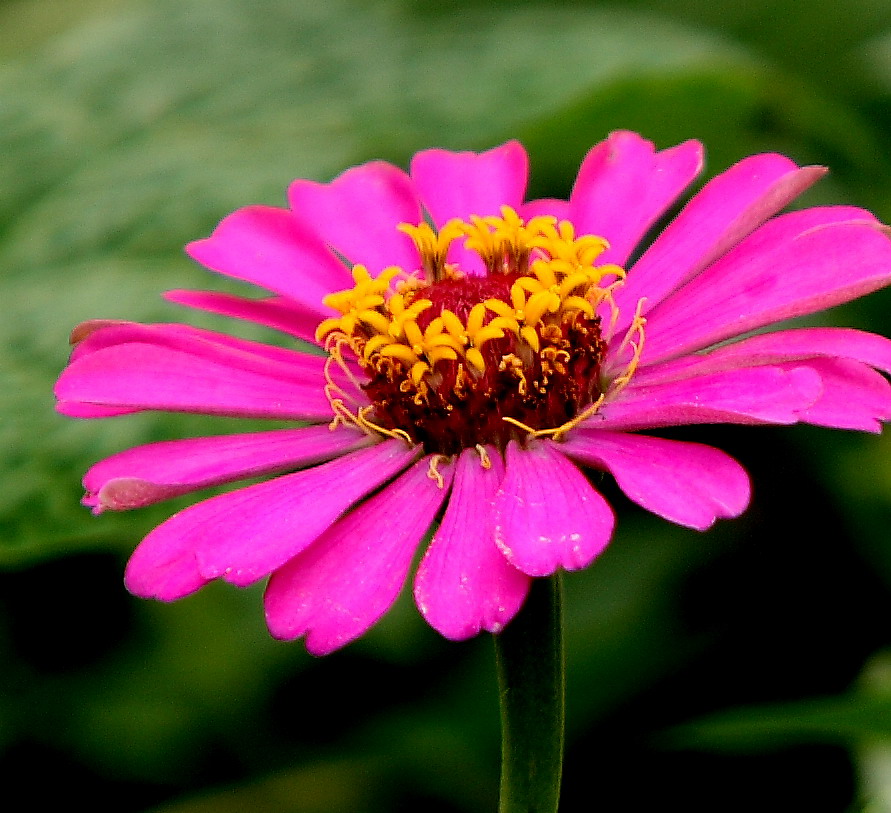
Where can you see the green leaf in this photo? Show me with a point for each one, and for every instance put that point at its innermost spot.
(861, 716)
(842, 721)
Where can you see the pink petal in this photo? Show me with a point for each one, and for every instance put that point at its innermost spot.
(158, 471)
(794, 265)
(744, 396)
(854, 396)
(273, 249)
(275, 312)
(686, 483)
(545, 206)
(257, 357)
(772, 348)
(460, 184)
(246, 534)
(73, 409)
(347, 579)
(358, 212)
(464, 584)
(147, 376)
(723, 212)
(624, 186)
(547, 515)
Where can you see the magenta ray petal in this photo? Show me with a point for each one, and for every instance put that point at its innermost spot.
(799, 343)
(346, 580)
(687, 483)
(854, 396)
(744, 396)
(158, 471)
(772, 348)
(545, 206)
(723, 212)
(256, 357)
(358, 212)
(147, 376)
(624, 186)
(75, 409)
(245, 535)
(461, 184)
(547, 514)
(464, 583)
(792, 266)
(271, 248)
(275, 312)
(281, 363)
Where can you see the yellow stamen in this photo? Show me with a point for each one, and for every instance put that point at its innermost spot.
(579, 303)
(486, 334)
(530, 337)
(475, 319)
(436, 354)
(558, 432)
(520, 424)
(367, 424)
(374, 344)
(399, 351)
(418, 370)
(634, 337)
(485, 460)
(554, 295)
(475, 359)
(326, 327)
(500, 308)
(433, 471)
(413, 336)
(453, 324)
(539, 304)
(375, 320)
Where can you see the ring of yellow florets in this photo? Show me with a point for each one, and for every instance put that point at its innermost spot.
(459, 361)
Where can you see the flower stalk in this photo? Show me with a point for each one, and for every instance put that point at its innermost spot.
(530, 665)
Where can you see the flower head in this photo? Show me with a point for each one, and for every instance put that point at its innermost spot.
(481, 351)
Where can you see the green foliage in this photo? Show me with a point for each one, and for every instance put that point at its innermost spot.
(129, 127)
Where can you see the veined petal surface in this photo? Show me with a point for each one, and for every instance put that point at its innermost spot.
(854, 396)
(347, 579)
(275, 312)
(792, 266)
(624, 185)
(727, 209)
(460, 184)
(358, 212)
(246, 534)
(464, 583)
(139, 376)
(746, 396)
(547, 514)
(687, 483)
(158, 471)
(271, 248)
(257, 357)
(796, 344)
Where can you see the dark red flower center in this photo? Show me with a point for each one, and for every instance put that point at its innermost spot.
(461, 361)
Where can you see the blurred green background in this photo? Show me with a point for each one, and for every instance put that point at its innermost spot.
(746, 668)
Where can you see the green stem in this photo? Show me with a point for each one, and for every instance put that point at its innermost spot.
(529, 661)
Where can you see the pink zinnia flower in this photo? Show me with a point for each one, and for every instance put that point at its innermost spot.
(475, 367)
